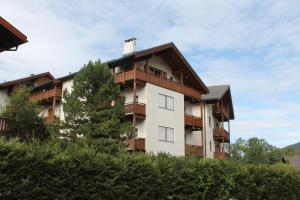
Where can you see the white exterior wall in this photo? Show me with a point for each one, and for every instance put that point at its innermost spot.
(45, 111)
(193, 137)
(128, 94)
(4, 98)
(159, 63)
(141, 93)
(209, 131)
(161, 117)
(66, 85)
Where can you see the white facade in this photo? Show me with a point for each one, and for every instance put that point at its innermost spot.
(208, 129)
(157, 116)
(66, 85)
(4, 98)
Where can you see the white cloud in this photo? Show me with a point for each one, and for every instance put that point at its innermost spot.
(252, 45)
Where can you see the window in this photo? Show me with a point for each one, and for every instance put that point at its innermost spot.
(209, 121)
(166, 102)
(210, 146)
(165, 134)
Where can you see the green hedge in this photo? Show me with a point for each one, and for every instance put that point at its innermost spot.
(72, 171)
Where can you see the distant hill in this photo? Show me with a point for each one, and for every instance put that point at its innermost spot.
(294, 147)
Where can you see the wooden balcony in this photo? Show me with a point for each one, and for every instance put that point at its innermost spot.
(221, 155)
(3, 125)
(220, 134)
(220, 113)
(136, 144)
(193, 150)
(193, 122)
(46, 95)
(136, 108)
(141, 75)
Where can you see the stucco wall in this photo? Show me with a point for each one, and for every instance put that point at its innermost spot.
(140, 92)
(4, 98)
(67, 85)
(161, 117)
(209, 131)
(193, 137)
(159, 63)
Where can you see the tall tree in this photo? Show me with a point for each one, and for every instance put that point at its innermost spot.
(255, 150)
(88, 108)
(23, 117)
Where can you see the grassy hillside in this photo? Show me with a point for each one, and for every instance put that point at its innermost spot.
(294, 147)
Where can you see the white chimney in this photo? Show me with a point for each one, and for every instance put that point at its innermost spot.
(129, 46)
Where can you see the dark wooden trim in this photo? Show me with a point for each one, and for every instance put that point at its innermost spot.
(13, 30)
(193, 150)
(141, 75)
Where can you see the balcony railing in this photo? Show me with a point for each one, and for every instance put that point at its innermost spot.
(193, 121)
(193, 150)
(157, 80)
(3, 125)
(46, 94)
(136, 144)
(136, 108)
(221, 134)
(221, 155)
(218, 112)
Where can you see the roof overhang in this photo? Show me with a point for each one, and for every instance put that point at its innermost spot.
(217, 94)
(172, 56)
(10, 37)
(29, 78)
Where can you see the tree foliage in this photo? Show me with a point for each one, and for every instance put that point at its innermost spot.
(88, 108)
(23, 117)
(77, 170)
(255, 150)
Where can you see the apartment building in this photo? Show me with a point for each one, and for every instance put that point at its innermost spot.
(30, 82)
(171, 109)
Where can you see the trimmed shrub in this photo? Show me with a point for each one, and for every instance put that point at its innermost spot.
(65, 170)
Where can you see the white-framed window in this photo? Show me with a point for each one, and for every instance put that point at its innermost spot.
(166, 102)
(165, 134)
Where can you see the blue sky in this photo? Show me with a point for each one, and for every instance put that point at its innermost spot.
(252, 45)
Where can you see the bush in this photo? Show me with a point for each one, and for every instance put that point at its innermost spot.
(65, 170)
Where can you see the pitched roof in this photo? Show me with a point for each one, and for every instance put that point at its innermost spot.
(29, 78)
(167, 51)
(52, 83)
(10, 36)
(215, 92)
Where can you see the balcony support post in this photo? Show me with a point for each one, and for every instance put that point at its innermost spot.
(134, 101)
(54, 104)
(203, 125)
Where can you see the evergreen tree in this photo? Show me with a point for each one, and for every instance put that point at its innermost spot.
(88, 108)
(23, 117)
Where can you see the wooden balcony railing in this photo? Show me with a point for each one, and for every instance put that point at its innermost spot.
(221, 155)
(136, 144)
(193, 150)
(218, 112)
(193, 121)
(136, 108)
(157, 80)
(3, 125)
(220, 134)
(46, 95)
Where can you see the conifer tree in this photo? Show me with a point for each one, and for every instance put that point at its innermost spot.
(88, 107)
(23, 117)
